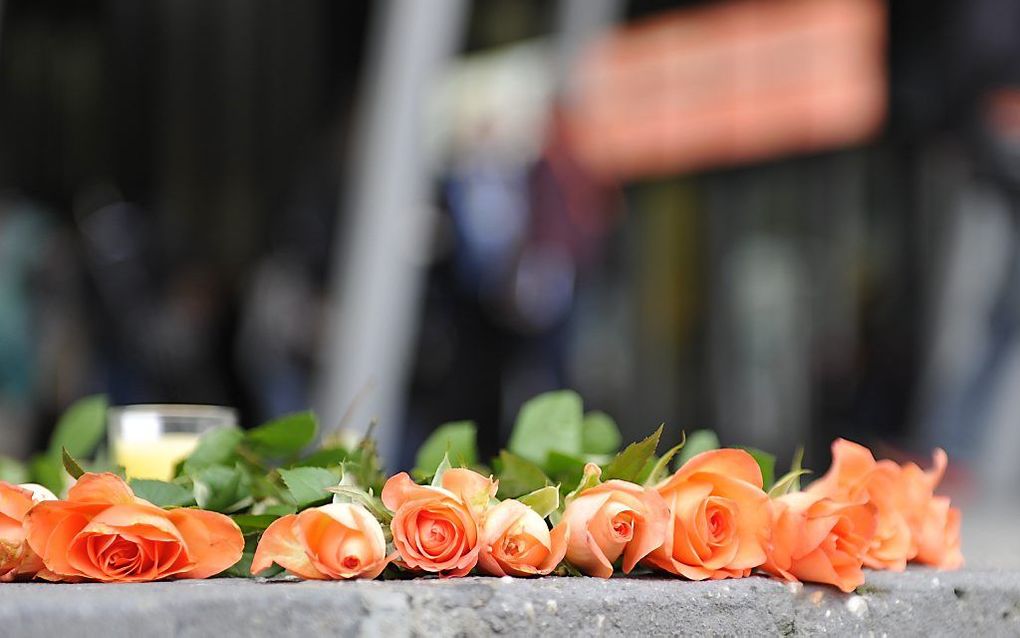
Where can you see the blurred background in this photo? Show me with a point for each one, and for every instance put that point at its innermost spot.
(784, 220)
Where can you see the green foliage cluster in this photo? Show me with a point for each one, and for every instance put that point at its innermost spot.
(272, 470)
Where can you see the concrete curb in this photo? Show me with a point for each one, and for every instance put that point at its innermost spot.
(919, 602)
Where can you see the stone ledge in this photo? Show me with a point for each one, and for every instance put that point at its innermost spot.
(918, 602)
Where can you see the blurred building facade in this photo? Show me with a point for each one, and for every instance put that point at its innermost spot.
(183, 173)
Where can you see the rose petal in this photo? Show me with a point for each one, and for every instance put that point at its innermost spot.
(15, 501)
(734, 463)
(649, 531)
(105, 488)
(279, 544)
(471, 487)
(144, 521)
(582, 550)
(213, 541)
(557, 548)
(399, 488)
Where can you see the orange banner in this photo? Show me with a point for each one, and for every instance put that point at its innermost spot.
(731, 83)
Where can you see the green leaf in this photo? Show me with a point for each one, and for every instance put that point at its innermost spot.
(458, 439)
(698, 441)
(767, 463)
(13, 471)
(600, 434)
(48, 472)
(308, 485)
(242, 568)
(628, 464)
(787, 483)
(796, 464)
(347, 494)
(365, 463)
(221, 488)
(326, 457)
(550, 422)
(444, 464)
(161, 493)
(216, 447)
(71, 466)
(284, 436)
(518, 475)
(254, 522)
(280, 509)
(661, 466)
(790, 482)
(80, 428)
(566, 470)
(544, 501)
(591, 478)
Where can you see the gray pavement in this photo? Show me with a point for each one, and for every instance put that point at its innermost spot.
(919, 602)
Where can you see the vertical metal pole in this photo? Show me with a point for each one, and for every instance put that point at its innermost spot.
(579, 21)
(378, 266)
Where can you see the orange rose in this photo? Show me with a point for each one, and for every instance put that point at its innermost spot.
(614, 519)
(907, 510)
(337, 541)
(436, 529)
(938, 535)
(934, 524)
(103, 532)
(16, 557)
(719, 522)
(517, 542)
(819, 540)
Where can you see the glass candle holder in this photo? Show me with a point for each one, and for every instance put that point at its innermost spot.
(150, 440)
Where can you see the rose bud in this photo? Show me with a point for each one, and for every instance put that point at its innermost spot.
(934, 524)
(16, 557)
(614, 519)
(517, 542)
(331, 542)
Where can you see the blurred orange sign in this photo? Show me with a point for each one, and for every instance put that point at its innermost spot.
(729, 83)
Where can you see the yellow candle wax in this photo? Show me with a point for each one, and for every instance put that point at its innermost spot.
(154, 458)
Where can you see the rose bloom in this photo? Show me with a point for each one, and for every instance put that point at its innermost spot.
(332, 542)
(16, 557)
(436, 529)
(719, 517)
(938, 535)
(934, 524)
(819, 540)
(517, 542)
(103, 532)
(907, 510)
(614, 519)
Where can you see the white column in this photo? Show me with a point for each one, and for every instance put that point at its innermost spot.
(379, 264)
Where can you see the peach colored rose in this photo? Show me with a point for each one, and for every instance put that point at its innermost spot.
(907, 512)
(436, 529)
(938, 535)
(103, 532)
(934, 524)
(332, 542)
(517, 542)
(719, 517)
(614, 519)
(819, 540)
(16, 557)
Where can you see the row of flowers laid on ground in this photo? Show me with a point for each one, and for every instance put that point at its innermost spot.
(711, 518)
